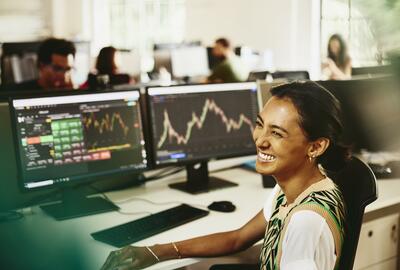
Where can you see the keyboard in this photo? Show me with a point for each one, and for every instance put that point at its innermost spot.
(142, 228)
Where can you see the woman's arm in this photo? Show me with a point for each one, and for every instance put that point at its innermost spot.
(204, 246)
(217, 244)
(337, 73)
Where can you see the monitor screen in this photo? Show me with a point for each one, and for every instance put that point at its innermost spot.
(202, 121)
(195, 123)
(69, 138)
(189, 61)
(371, 112)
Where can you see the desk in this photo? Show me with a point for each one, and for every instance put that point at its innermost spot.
(249, 198)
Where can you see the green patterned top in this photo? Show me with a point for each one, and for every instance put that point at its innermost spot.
(324, 198)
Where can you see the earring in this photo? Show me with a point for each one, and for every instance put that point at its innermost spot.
(311, 158)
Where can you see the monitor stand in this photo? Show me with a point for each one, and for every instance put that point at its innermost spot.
(198, 180)
(74, 204)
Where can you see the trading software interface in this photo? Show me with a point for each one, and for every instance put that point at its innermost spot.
(62, 138)
(202, 121)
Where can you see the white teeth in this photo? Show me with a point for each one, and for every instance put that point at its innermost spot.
(266, 157)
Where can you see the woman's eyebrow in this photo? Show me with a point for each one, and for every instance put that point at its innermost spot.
(279, 127)
(260, 119)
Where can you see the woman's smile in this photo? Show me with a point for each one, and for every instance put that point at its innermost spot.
(264, 157)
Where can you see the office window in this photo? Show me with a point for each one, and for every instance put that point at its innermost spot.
(348, 19)
(138, 24)
(27, 19)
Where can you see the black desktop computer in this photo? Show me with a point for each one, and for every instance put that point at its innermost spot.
(371, 112)
(371, 116)
(65, 140)
(191, 124)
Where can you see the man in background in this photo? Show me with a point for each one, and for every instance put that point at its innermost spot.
(231, 69)
(55, 59)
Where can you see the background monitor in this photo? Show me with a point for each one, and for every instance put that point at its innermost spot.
(371, 112)
(291, 75)
(372, 70)
(195, 123)
(264, 88)
(189, 61)
(64, 140)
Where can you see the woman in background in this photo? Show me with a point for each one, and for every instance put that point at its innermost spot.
(338, 63)
(107, 70)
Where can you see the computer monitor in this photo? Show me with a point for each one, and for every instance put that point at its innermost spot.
(68, 139)
(162, 59)
(291, 75)
(191, 124)
(371, 112)
(189, 61)
(264, 90)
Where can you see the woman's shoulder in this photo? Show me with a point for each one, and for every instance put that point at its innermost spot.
(270, 203)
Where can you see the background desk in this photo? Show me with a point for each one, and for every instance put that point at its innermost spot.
(49, 238)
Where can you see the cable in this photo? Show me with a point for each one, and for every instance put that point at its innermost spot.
(134, 213)
(160, 175)
(156, 203)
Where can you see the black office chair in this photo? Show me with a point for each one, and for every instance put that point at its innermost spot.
(358, 185)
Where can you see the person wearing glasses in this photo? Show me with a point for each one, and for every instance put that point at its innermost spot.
(55, 60)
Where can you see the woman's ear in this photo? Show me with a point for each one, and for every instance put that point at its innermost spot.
(318, 147)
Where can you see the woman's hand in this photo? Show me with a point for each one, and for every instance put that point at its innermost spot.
(129, 258)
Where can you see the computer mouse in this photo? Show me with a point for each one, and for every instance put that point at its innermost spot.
(222, 206)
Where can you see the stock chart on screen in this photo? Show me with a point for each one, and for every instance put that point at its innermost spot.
(65, 136)
(202, 121)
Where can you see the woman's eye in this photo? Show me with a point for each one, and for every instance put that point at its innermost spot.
(258, 124)
(276, 134)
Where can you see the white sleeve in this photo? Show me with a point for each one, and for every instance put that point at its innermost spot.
(308, 243)
(268, 207)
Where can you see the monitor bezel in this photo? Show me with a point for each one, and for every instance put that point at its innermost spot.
(76, 180)
(185, 162)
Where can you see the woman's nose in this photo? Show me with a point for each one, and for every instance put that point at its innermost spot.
(262, 141)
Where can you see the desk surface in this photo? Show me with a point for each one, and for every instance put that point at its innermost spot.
(249, 198)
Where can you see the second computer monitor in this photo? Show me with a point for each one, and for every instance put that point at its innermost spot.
(189, 61)
(64, 140)
(195, 123)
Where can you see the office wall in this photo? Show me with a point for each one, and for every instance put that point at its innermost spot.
(71, 19)
(290, 28)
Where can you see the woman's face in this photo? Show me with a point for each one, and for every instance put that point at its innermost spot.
(281, 143)
(334, 45)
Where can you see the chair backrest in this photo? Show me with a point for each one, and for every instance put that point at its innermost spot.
(358, 185)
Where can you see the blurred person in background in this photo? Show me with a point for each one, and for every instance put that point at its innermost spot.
(231, 69)
(106, 73)
(338, 64)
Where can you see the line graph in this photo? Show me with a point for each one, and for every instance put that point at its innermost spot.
(106, 124)
(111, 128)
(210, 105)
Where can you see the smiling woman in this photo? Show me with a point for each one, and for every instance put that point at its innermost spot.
(303, 220)
(299, 128)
